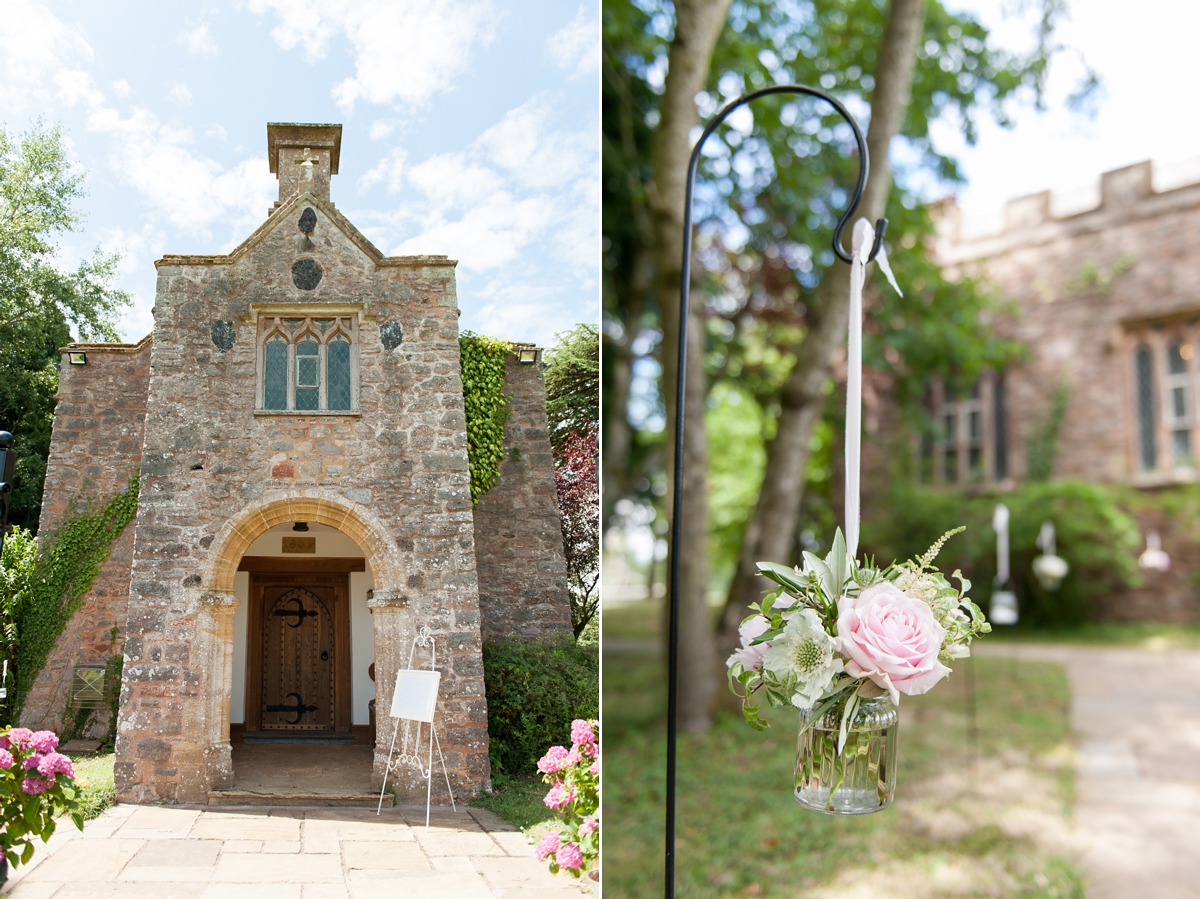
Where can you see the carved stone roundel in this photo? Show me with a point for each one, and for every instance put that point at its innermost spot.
(223, 335)
(391, 334)
(306, 274)
(308, 220)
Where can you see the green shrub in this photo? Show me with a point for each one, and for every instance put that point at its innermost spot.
(1096, 536)
(535, 689)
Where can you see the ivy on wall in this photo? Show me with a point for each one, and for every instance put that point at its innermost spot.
(486, 406)
(48, 592)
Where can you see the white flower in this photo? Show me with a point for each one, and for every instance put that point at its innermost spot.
(801, 658)
(750, 656)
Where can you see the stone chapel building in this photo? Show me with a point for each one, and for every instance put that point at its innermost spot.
(1107, 287)
(297, 419)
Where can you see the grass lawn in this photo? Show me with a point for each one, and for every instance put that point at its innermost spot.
(988, 822)
(94, 775)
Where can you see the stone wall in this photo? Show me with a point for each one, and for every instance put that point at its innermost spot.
(518, 532)
(401, 460)
(1092, 279)
(95, 448)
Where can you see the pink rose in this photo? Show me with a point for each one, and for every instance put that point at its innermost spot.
(546, 847)
(891, 638)
(569, 856)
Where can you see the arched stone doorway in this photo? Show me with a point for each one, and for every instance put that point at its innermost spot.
(220, 604)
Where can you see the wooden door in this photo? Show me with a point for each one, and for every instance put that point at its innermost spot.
(299, 654)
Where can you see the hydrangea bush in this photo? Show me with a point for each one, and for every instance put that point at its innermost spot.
(836, 631)
(36, 783)
(574, 778)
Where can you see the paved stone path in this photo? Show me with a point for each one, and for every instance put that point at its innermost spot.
(1136, 717)
(151, 852)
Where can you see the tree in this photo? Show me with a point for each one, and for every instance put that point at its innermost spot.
(573, 384)
(779, 176)
(576, 478)
(42, 307)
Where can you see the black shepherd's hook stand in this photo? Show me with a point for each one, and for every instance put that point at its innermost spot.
(677, 501)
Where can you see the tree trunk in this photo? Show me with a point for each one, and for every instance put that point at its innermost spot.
(698, 24)
(772, 527)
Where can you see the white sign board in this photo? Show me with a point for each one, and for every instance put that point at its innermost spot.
(415, 695)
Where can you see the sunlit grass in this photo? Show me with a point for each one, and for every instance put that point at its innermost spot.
(94, 775)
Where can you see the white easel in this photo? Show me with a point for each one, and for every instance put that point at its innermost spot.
(415, 699)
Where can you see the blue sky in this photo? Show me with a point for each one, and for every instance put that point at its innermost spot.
(471, 128)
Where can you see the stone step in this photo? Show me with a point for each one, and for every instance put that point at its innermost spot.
(298, 799)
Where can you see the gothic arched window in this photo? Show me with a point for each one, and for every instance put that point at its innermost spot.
(307, 364)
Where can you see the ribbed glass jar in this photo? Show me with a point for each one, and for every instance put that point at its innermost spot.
(863, 778)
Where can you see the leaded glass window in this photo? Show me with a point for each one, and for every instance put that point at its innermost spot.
(275, 366)
(338, 355)
(968, 442)
(1144, 363)
(307, 364)
(1177, 407)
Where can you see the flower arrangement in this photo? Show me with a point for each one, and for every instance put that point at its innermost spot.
(36, 782)
(574, 778)
(840, 641)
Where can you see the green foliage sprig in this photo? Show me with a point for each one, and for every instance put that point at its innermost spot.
(50, 590)
(487, 408)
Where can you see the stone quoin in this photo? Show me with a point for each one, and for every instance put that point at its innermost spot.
(304, 385)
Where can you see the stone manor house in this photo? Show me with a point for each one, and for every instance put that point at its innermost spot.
(1107, 285)
(304, 506)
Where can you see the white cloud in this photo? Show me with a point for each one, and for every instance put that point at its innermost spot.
(217, 131)
(524, 144)
(180, 94)
(521, 184)
(179, 185)
(121, 88)
(34, 44)
(405, 51)
(576, 46)
(389, 172)
(199, 41)
(74, 85)
(381, 128)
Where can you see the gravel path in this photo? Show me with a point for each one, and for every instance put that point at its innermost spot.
(1136, 717)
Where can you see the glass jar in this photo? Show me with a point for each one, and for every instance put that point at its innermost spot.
(862, 779)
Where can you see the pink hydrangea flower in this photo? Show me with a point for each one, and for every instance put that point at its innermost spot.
(573, 758)
(581, 732)
(891, 638)
(589, 825)
(6, 759)
(55, 763)
(44, 740)
(552, 761)
(546, 847)
(35, 785)
(595, 769)
(4, 744)
(569, 856)
(589, 750)
(559, 797)
(32, 761)
(19, 736)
